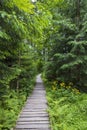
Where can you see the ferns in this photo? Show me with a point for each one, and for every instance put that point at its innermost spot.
(67, 110)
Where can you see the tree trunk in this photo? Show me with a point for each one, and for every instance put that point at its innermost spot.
(77, 12)
(19, 63)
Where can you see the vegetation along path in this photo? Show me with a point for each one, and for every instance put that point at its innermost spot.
(34, 115)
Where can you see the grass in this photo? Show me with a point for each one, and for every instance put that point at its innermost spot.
(67, 108)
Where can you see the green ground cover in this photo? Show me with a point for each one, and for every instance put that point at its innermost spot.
(67, 107)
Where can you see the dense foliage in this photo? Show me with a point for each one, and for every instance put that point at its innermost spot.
(66, 64)
(67, 58)
(17, 59)
(49, 36)
(67, 107)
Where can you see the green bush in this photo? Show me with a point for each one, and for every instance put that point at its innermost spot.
(67, 109)
(10, 109)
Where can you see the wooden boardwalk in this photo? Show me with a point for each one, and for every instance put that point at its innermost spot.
(34, 115)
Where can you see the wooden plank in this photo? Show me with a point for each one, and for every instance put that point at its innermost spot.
(28, 116)
(35, 99)
(33, 126)
(43, 98)
(32, 119)
(36, 103)
(38, 112)
(35, 107)
(39, 122)
(32, 129)
(33, 114)
(33, 110)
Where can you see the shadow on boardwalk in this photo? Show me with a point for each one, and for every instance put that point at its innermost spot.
(34, 115)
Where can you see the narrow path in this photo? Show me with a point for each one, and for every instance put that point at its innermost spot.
(34, 115)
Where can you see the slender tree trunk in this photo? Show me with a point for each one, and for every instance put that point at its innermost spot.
(78, 39)
(19, 63)
(77, 12)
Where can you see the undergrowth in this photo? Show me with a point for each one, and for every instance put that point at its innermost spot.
(11, 107)
(67, 107)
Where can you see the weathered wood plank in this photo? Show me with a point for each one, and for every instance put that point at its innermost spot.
(31, 107)
(33, 126)
(33, 110)
(32, 129)
(37, 109)
(33, 122)
(34, 119)
(27, 123)
(33, 114)
(38, 112)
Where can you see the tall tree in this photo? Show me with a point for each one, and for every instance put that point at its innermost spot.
(67, 59)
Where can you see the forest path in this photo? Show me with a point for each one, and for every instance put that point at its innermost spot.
(34, 115)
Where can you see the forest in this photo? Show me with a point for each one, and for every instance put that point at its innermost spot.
(47, 37)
